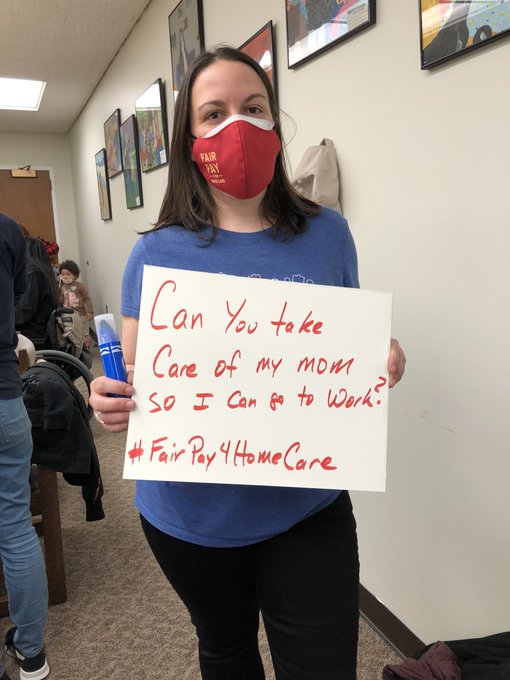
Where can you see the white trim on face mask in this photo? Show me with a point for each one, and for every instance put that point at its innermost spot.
(261, 123)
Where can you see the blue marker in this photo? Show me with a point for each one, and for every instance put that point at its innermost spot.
(109, 348)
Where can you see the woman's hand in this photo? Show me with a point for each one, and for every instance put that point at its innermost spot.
(396, 362)
(112, 412)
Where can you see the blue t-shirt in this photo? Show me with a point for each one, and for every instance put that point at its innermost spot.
(228, 515)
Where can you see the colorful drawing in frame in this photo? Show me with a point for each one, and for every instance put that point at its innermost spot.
(313, 26)
(103, 186)
(449, 29)
(112, 144)
(186, 29)
(261, 48)
(131, 163)
(150, 112)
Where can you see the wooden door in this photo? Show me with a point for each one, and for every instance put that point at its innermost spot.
(28, 200)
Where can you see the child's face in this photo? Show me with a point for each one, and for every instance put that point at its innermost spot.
(67, 276)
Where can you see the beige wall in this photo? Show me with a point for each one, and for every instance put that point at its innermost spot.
(425, 186)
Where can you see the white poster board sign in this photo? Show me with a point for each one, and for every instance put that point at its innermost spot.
(251, 381)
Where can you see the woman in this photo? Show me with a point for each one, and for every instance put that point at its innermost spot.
(232, 551)
(41, 296)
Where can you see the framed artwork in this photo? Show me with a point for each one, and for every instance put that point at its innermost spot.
(261, 48)
(131, 163)
(150, 112)
(316, 25)
(186, 28)
(112, 144)
(103, 186)
(449, 29)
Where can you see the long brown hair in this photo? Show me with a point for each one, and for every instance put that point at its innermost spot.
(188, 201)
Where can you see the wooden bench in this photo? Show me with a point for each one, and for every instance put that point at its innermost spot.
(45, 509)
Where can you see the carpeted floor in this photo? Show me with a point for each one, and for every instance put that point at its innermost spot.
(122, 620)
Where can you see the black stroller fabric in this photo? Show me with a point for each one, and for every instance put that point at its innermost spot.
(63, 439)
(486, 658)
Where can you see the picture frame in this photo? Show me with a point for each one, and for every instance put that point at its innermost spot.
(150, 112)
(103, 185)
(450, 29)
(112, 144)
(316, 26)
(261, 47)
(131, 163)
(186, 33)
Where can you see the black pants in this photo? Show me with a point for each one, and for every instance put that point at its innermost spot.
(304, 582)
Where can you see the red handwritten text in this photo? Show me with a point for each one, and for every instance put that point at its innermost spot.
(242, 456)
(222, 366)
(194, 452)
(341, 398)
(168, 402)
(241, 325)
(181, 318)
(237, 400)
(197, 456)
(268, 364)
(136, 452)
(307, 326)
(173, 369)
(276, 400)
(321, 365)
(202, 406)
(305, 397)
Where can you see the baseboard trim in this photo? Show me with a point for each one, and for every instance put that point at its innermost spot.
(388, 626)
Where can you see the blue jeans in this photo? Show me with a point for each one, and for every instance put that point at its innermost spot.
(20, 550)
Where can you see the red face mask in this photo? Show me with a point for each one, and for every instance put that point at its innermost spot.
(238, 156)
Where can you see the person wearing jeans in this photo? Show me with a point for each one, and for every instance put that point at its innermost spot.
(20, 550)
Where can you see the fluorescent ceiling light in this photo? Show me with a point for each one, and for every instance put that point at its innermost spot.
(22, 95)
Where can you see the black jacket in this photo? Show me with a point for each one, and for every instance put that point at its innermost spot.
(63, 439)
(13, 259)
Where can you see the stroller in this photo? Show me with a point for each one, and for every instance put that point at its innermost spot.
(67, 331)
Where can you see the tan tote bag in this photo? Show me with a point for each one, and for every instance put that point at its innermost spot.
(317, 176)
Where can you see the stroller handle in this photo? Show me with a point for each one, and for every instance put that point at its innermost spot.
(56, 356)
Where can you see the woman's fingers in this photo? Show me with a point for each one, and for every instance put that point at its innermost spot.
(111, 402)
(396, 362)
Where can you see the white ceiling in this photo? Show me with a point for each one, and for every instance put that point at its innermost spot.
(67, 43)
